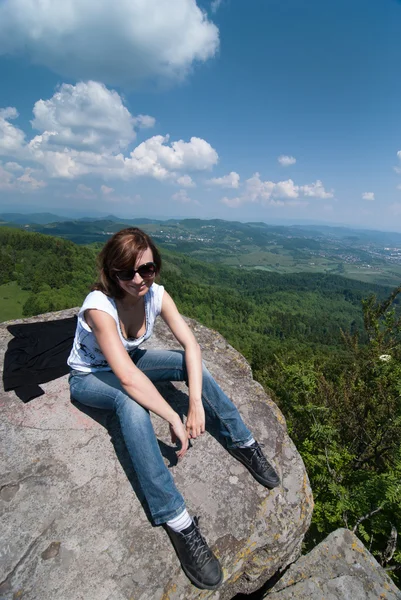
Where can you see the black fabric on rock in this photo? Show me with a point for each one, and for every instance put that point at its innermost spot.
(37, 354)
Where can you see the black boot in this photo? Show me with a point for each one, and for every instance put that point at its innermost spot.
(197, 560)
(256, 462)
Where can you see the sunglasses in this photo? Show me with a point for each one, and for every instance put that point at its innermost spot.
(146, 271)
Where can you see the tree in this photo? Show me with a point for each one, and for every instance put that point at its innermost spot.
(344, 414)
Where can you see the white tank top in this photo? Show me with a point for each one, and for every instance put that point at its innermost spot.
(86, 355)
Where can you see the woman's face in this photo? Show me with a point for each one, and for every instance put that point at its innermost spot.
(138, 286)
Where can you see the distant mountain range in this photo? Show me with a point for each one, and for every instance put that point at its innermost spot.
(46, 218)
(371, 256)
(383, 237)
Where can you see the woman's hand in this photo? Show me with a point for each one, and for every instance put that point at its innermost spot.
(196, 420)
(179, 433)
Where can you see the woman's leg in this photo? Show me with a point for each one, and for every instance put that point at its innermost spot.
(103, 390)
(222, 414)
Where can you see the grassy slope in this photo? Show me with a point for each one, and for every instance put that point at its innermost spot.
(12, 300)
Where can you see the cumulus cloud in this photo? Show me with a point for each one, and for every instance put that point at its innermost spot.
(25, 182)
(368, 196)
(144, 121)
(155, 153)
(227, 181)
(11, 138)
(186, 181)
(13, 166)
(181, 196)
(106, 190)
(286, 161)
(277, 193)
(116, 41)
(232, 202)
(85, 192)
(86, 129)
(316, 190)
(87, 116)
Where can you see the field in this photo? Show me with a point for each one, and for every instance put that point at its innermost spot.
(12, 299)
(283, 261)
(369, 256)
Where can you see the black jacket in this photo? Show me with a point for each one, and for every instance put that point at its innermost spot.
(38, 353)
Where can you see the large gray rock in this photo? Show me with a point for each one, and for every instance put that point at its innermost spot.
(72, 523)
(339, 568)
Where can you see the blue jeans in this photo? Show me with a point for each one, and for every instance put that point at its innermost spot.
(103, 390)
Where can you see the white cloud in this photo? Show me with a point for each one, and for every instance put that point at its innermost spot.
(86, 116)
(399, 186)
(144, 121)
(316, 190)
(13, 166)
(215, 5)
(285, 189)
(106, 190)
(232, 202)
(286, 161)
(181, 196)
(368, 196)
(6, 179)
(27, 181)
(156, 158)
(278, 194)
(9, 181)
(227, 181)
(115, 41)
(83, 192)
(85, 129)
(12, 139)
(186, 181)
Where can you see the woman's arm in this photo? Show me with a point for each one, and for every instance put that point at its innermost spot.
(134, 382)
(193, 360)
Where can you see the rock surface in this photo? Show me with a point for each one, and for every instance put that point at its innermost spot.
(72, 524)
(339, 568)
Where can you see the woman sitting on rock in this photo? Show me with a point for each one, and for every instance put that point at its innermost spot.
(110, 372)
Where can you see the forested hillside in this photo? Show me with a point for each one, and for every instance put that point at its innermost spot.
(56, 273)
(259, 312)
(327, 351)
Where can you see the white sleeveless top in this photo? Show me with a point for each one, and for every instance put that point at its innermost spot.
(86, 355)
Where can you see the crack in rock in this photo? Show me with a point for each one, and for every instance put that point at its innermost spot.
(5, 585)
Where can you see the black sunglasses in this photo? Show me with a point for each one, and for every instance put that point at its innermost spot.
(146, 271)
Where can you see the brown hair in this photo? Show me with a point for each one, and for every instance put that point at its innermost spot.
(119, 253)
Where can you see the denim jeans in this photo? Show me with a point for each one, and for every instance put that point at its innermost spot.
(103, 390)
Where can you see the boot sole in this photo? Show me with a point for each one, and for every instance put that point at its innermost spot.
(267, 483)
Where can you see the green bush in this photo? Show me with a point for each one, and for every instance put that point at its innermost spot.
(344, 415)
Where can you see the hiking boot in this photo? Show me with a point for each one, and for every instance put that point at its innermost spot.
(256, 462)
(197, 560)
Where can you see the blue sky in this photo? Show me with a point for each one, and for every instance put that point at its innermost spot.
(271, 110)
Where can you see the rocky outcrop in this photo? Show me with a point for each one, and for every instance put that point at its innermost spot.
(339, 568)
(72, 523)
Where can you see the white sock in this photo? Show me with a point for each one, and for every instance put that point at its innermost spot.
(251, 441)
(181, 522)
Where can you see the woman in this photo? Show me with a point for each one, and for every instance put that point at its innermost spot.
(109, 371)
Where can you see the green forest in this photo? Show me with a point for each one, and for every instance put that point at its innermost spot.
(326, 348)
